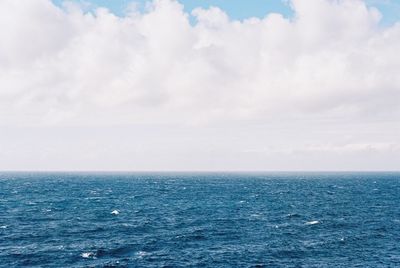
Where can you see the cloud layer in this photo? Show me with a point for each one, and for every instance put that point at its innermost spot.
(64, 66)
(163, 89)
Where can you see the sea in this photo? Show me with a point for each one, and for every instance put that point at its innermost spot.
(308, 219)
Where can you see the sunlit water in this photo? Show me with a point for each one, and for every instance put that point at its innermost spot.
(200, 220)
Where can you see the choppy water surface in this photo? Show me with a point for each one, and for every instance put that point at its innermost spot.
(200, 220)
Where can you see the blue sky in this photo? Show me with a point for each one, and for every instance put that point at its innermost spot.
(240, 9)
(237, 9)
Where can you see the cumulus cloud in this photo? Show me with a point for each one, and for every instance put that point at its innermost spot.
(86, 89)
(67, 66)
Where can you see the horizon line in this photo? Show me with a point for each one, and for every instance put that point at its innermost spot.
(199, 171)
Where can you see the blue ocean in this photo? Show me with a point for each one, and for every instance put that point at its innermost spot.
(200, 220)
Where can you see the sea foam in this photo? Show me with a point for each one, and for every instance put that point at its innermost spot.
(312, 222)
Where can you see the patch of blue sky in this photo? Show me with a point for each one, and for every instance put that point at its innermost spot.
(390, 10)
(242, 9)
(236, 9)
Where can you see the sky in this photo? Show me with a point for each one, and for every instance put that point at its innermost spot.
(207, 85)
(238, 9)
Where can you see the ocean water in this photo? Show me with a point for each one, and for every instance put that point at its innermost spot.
(200, 220)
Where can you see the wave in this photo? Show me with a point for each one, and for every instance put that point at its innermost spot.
(88, 255)
(115, 212)
(312, 222)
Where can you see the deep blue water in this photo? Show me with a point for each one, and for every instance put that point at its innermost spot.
(200, 220)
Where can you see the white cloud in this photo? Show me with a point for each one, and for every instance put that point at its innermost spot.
(354, 147)
(66, 66)
(332, 62)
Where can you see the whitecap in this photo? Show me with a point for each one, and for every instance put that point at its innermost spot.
(312, 222)
(88, 255)
(311, 243)
(141, 254)
(115, 212)
(96, 198)
(3, 227)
